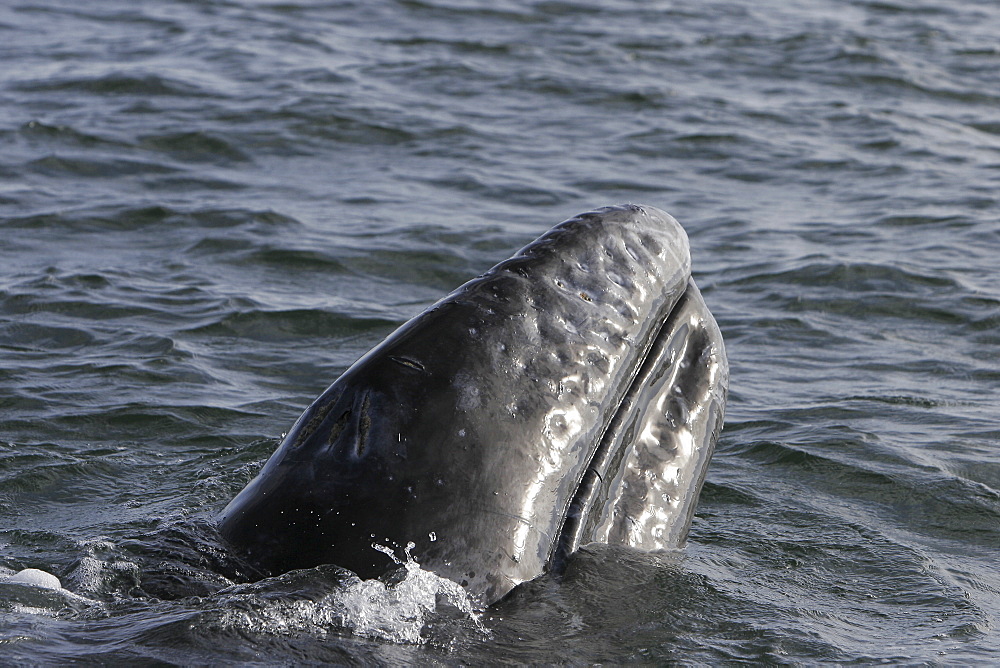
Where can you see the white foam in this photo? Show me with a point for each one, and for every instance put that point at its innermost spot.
(43, 593)
(400, 609)
(36, 578)
(94, 576)
(397, 608)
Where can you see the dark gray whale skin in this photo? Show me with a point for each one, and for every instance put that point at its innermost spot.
(571, 394)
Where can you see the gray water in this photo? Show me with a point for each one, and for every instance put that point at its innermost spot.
(209, 209)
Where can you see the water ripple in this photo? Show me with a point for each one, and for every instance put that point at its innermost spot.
(210, 210)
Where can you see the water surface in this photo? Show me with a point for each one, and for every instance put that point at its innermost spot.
(209, 210)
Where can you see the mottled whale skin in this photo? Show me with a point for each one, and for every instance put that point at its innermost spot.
(571, 394)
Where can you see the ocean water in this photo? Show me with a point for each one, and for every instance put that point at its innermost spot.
(209, 209)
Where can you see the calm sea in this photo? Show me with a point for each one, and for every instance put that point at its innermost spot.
(209, 209)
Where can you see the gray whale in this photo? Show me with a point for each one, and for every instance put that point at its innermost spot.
(571, 394)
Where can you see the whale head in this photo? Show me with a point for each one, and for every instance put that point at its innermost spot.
(571, 394)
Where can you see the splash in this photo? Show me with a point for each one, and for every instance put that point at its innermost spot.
(402, 605)
(407, 605)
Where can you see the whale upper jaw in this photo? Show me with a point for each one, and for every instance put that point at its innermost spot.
(571, 394)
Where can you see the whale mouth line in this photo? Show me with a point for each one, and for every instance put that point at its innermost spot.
(686, 352)
(570, 535)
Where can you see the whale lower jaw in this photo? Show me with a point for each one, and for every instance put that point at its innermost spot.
(571, 394)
